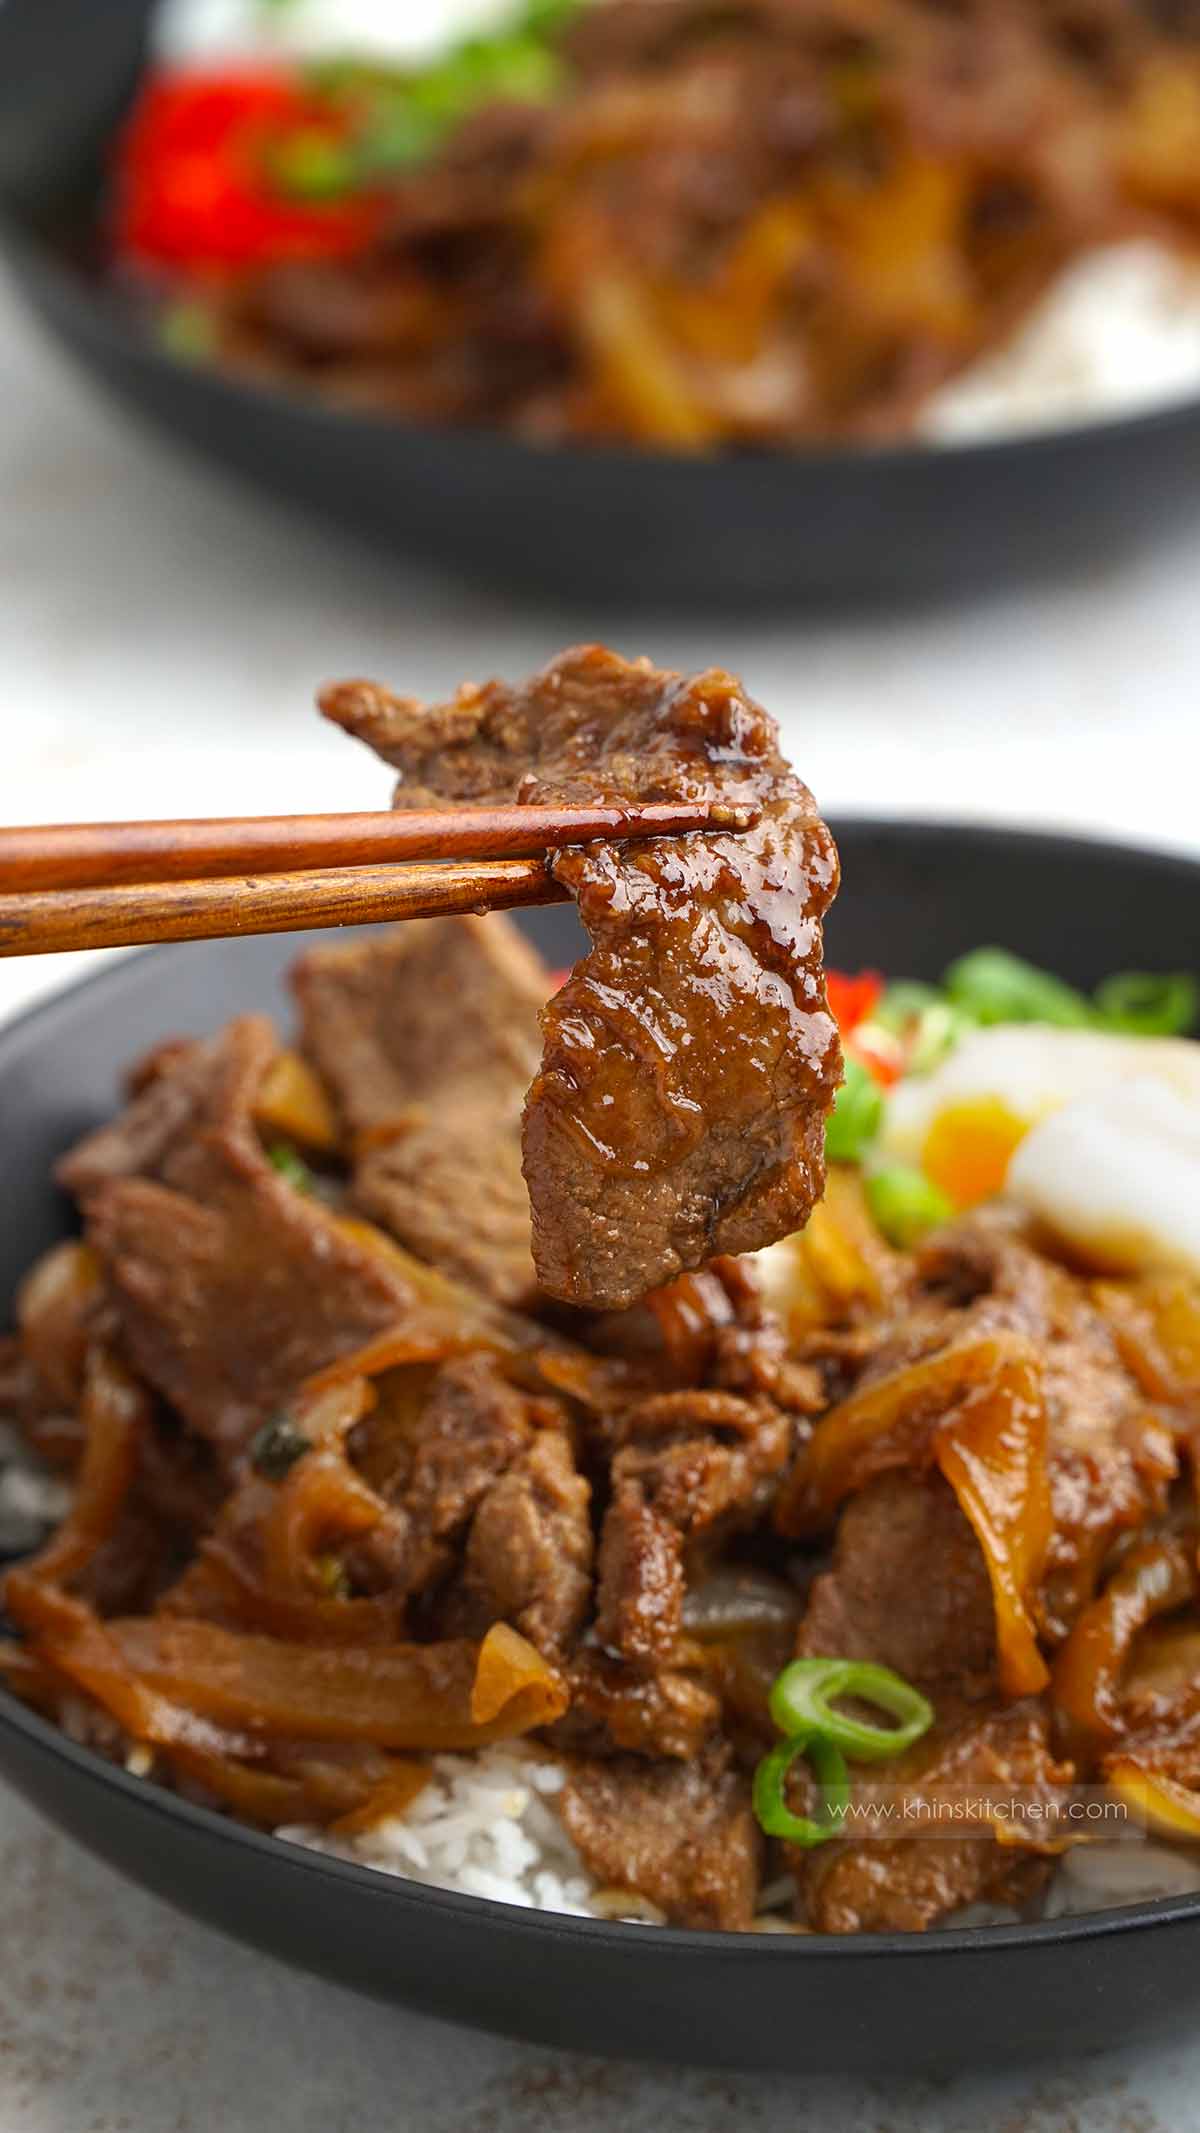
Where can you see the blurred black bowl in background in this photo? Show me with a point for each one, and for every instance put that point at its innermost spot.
(608, 524)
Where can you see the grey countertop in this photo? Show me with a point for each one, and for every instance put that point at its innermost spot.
(116, 2016)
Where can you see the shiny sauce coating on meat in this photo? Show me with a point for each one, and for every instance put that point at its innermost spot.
(690, 1060)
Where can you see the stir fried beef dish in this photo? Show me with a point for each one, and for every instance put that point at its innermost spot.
(499, 1365)
(671, 222)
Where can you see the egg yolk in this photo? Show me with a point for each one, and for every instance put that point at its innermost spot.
(969, 1147)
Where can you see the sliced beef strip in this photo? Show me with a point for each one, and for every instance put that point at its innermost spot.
(682, 1835)
(490, 1516)
(690, 1061)
(692, 1467)
(428, 1040)
(1161, 1732)
(614, 1707)
(711, 1329)
(752, 1350)
(229, 1286)
(908, 1588)
(641, 1577)
(529, 1556)
(1109, 1469)
(907, 1884)
(436, 1459)
(170, 1095)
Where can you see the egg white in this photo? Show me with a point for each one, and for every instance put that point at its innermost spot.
(1033, 1071)
(1116, 1176)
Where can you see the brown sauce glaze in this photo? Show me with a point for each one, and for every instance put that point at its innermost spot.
(690, 1060)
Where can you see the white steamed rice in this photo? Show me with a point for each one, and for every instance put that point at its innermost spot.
(1118, 333)
(483, 1826)
(31, 1500)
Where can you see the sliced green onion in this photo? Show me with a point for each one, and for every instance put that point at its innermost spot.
(940, 1028)
(310, 166)
(346, 74)
(903, 1003)
(275, 1448)
(291, 1167)
(403, 116)
(1146, 1006)
(770, 1799)
(399, 135)
(802, 1700)
(856, 1116)
(544, 18)
(992, 986)
(906, 1205)
(929, 1025)
(188, 331)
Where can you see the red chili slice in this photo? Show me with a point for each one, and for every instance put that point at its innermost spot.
(194, 193)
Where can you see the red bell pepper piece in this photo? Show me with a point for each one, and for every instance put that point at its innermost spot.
(194, 188)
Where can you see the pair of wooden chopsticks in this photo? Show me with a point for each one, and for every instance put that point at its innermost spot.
(123, 884)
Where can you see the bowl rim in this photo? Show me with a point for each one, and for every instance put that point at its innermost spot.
(36, 1024)
(106, 310)
(144, 1793)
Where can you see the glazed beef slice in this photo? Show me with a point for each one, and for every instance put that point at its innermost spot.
(690, 1061)
(229, 1286)
(490, 1516)
(682, 1835)
(908, 1588)
(691, 1468)
(428, 1040)
(906, 1884)
(1110, 1464)
(529, 1556)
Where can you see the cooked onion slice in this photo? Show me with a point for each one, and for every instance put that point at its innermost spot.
(993, 1454)
(434, 1696)
(1154, 1579)
(1159, 1803)
(889, 1424)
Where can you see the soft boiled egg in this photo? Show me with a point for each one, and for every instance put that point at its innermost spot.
(1116, 1177)
(963, 1122)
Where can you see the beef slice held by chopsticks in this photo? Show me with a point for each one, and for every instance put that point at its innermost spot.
(690, 1060)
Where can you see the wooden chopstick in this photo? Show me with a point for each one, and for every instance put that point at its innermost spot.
(94, 854)
(47, 921)
(124, 884)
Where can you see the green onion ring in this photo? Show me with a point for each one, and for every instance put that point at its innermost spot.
(992, 986)
(856, 1116)
(1144, 1006)
(905, 1205)
(829, 1768)
(802, 1702)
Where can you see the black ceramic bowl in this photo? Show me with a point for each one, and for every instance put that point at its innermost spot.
(567, 521)
(914, 898)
